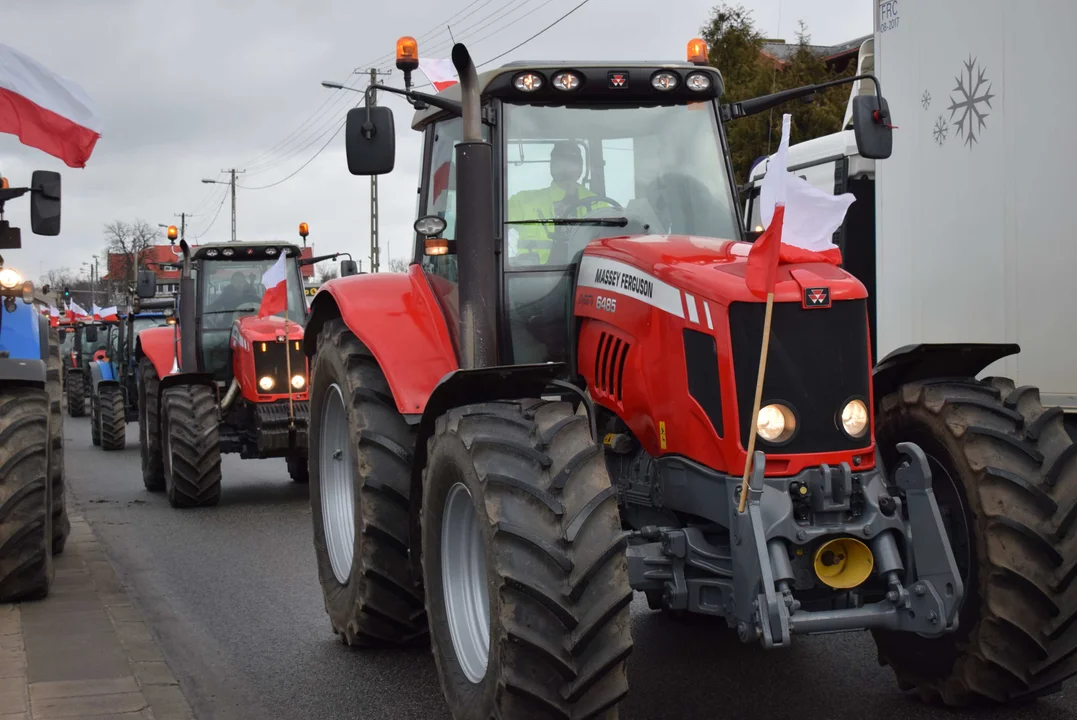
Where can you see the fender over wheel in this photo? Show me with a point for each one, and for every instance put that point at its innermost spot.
(1004, 473)
(360, 457)
(192, 452)
(524, 563)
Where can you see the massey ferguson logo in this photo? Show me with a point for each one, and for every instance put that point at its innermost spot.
(618, 79)
(818, 297)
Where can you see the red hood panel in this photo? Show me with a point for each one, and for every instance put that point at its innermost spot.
(256, 328)
(714, 269)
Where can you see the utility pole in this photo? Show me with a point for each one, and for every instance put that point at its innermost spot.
(375, 247)
(183, 218)
(232, 183)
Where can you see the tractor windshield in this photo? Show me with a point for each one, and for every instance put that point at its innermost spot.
(142, 323)
(233, 288)
(575, 174)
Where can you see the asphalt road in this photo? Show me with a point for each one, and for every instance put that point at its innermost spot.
(232, 594)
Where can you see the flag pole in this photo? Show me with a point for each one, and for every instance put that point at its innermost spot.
(288, 348)
(758, 400)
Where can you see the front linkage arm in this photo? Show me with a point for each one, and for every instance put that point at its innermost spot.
(923, 597)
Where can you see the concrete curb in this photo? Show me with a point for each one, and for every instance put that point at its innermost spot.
(84, 651)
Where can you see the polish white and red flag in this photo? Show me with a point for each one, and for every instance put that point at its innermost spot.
(75, 311)
(275, 280)
(800, 221)
(54, 316)
(45, 110)
(439, 71)
(107, 314)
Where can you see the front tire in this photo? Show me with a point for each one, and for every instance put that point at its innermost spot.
(149, 428)
(111, 417)
(26, 531)
(95, 422)
(360, 458)
(524, 564)
(297, 469)
(1004, 473)
(76, 394)
(61, 526)
(192, 446)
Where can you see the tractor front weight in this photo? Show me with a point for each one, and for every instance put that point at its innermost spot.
(824, 529)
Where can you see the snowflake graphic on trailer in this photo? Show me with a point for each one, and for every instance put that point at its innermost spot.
(925, 99)
(970, 101)
(940, 131)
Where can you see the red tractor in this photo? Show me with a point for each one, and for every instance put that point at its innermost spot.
(222, 380)
(551, 410)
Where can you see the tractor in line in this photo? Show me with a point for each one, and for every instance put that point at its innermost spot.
(222, 379)
(33, 515)
(551, 409)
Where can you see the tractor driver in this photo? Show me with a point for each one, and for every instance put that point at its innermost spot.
(234, 294)
(565, 197)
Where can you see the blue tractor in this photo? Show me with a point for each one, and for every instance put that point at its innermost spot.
(114, 375)
(33, 520)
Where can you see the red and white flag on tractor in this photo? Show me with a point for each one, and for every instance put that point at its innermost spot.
(45, 110)
(54, 316)
(800, 221)
(275, 280)
(75, 311)
(107, 314)
(440, 72)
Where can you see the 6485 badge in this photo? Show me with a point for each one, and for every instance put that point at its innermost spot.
(816, 297)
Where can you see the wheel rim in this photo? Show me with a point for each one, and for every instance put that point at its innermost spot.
(337, 470)
(463, 579)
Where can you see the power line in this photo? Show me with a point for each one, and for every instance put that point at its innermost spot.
(224, 196)
(340, 126)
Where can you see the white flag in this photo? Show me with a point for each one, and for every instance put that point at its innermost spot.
(440, 72)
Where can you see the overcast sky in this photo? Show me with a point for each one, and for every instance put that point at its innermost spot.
(188, 88)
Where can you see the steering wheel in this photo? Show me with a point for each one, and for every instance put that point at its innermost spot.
(570, 210)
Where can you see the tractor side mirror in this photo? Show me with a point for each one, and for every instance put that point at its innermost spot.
(370, 140)
(90, 335)
(63, 334)
(147, 284)
(45, 202)
(874, 135)
(348, 267)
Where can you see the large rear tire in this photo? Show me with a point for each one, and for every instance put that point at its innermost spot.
(26, 569)
(149, 428)
(95, 421)
(524, 564)
(61, 526)
(76, 394)
(1004, 473)
(112, 418)
(192, 446)
(360, 483)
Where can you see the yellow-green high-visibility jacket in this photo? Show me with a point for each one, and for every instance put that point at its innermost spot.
(538, 204)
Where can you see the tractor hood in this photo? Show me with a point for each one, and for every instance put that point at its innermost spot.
(256, 329)
(706, 267)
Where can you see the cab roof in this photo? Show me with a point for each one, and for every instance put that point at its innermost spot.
(244, 250)
(597, 84)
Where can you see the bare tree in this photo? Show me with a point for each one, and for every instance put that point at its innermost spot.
(398, 265)
(129, 242)
(327, 272)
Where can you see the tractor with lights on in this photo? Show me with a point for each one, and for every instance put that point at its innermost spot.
(551, 410)
(222, 379)
(33, 516)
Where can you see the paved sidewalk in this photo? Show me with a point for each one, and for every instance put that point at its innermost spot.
(83, 652)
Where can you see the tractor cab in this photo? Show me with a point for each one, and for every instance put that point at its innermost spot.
(228, 282)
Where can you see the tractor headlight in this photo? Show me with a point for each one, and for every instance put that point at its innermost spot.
(854, 418)
(298, 381)
(776, 423)
(9, 279)
(265, 383)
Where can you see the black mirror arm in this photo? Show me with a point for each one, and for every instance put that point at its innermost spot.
(319, 258)
(439, 102)
(754, 106)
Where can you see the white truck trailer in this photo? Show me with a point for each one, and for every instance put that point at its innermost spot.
(968, 232)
